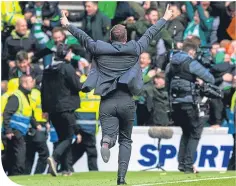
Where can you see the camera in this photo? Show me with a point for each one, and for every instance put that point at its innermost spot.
(62, 51)
(209, 90)
(204, 57)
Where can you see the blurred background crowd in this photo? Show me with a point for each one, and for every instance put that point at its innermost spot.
(31, 31)
(34, 27)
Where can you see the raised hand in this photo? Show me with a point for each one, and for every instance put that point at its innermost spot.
(64, 20)
(168, 14)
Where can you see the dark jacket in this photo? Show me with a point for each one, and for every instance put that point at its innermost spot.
(97, 27)
(123, 10)
(11, 107)
(219, 9)
(15, 43)
(195, 68)
(218, 70)
(60, 87)
(116, 62)
(35, 72)
(157, 104)
(176, 33)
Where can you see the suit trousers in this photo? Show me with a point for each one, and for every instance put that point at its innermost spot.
(186, 116)
(117, 113)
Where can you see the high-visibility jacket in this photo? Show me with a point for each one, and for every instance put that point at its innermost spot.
(10, 12)
(20, 120)
(231, 123)
(4, 99)
(37, 106)
(12, 86)
(88, 113)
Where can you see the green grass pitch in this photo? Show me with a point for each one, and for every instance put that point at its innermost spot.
(151, 178)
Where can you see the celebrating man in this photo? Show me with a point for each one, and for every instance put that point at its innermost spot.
(116, 77)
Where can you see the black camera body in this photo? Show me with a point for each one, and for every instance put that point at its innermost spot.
(62, 51)
(209, 90)
(204, 57)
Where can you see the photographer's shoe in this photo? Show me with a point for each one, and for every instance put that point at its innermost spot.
(105, 152)
(66, 173)
(52, 166)
(181, 168)
(121, 181)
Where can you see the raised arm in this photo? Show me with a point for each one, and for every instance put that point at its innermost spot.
(79, 34)
(155, 29)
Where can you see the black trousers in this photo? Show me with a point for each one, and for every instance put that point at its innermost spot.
(142, 115)
(232, 161)
(186, 116)
(64, 124)
(31, 148)
(15, 156)
(217, 111)
(117, 112)
(87, 145)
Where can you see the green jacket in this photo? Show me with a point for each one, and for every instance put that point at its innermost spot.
(108, 8)
(205, 25)
(141, 26)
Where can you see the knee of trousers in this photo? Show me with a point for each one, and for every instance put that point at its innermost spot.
(110, 140)
(125, 141)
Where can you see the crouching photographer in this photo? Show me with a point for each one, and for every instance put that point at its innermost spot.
(181, 74)
(60, 87)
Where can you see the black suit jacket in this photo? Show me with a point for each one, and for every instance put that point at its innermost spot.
(115, 62)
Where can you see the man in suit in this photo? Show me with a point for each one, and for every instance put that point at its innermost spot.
(116, 77)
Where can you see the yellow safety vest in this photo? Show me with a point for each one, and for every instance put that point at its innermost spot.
(233, 102)
(20, 120)
(37, 106)
(88, 113)
(4, 99)
(10, 12)
(12, 86)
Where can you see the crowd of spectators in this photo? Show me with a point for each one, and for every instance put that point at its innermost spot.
(35, 28)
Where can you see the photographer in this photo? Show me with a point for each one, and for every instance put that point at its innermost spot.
(60, 87)
(181, 75)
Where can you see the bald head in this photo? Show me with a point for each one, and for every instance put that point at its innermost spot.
(27, 82)
(21, 26)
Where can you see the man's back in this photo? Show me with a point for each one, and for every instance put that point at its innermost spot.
(115, 60)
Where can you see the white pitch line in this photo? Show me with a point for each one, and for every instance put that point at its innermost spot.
(186, 181)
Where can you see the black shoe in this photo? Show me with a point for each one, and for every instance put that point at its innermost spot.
(192, 170)
(181, 168)
(105, 152)
(52, 166)
(121, 181)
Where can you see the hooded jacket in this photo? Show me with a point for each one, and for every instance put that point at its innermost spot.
(60, 87)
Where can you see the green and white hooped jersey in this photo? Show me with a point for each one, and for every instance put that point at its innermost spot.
(38, 33)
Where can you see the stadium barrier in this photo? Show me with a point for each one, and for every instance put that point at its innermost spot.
(213, 153)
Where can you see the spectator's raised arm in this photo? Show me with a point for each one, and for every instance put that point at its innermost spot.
(82, 37)
(144, 41)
